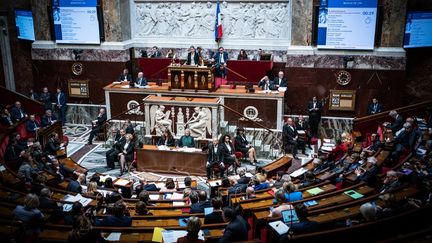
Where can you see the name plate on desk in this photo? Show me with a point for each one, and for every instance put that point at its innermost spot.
(343, 100)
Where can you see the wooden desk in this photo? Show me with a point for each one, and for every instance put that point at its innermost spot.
(281, 164)
(149, 158)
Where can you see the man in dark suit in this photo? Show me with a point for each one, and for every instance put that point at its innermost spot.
(397, 124)
(215, 217)
(45, 98)
(192, 57)
(140, 80)
(45, 201)
(48, 119)
(119, 219)
(97, 125)
(290, 137)
(129, 128)
(117, 148)
(125, 76)
(17, 112)
(202, 204)
(236, 229)
(155, 52)
(280, 80)
(314, 108)
(75, 185)
(53, 145)
(375, 107)
(61, 105)
(266, 84)
(213, 158)
(221, 60)
(303, 125)
(32, 125)
(33, 95)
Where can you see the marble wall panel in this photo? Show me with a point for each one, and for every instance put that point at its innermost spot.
(112, 20)
(67, 54)
(393, 23)
(337, 61)
(41, 20)
(302, 13)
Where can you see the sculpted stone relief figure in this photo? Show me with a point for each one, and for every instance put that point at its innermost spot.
(196, 19)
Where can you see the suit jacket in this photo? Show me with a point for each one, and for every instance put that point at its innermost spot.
(130, 129)
(74, 186)
(199, 207)
(288, 133)
(46, 121)
(16, 114)
(225, 155)
(213, 218)
(122, 77)
(62, 99)
(303, 126)
(262, 84)
(315, 113)
(281, 83)
(170, 142)
(100, 120)
(236, 230)
(396, 125)
(31, 126)
(189, 58)
(47, 203)
(7, 120)
(156, 54)
(141, 81)
(129, 156)
(241, 143)
(34, 96)
(52, 146)
(114, 221)
(372, 110)
(212, 156)
(217, 58)
(46, 99)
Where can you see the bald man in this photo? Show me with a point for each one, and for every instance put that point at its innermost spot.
(280, 80)
(140, 80)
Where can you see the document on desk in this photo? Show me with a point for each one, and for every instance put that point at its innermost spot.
(177, 196)
(154, 197)
(298, 172)
(170, 236)
(114, 236)
(279, 227)
(121, 182)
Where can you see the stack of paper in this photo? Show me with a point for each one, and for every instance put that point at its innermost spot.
(315, 191)
(114, 236)
(177, 196)
(215, 183)
(154, 197)
(77, 198)
(170, 236)
(298, 172)
(177, 203)
(121, 182)
(279, 227)
(104, 177)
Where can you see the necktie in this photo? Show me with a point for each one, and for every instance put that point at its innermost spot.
(375, 108)
(314, 104)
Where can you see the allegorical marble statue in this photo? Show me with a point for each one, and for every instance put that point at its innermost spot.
(199, 122)
(161, 120)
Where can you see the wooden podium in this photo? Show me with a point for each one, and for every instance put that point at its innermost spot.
(200, 79)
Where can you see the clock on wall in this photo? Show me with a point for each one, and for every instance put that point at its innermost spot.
(77, 68)
(343, 77)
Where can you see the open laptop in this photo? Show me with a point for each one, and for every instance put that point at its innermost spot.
(289, 216)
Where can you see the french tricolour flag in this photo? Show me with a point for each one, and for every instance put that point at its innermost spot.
(218, 25)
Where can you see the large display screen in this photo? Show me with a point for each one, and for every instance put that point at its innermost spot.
(24, 24)
(347, 24)
(75, 21)
(418, 29)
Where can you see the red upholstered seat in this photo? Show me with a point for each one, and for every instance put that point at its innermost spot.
(22, 130)
(313, 141)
